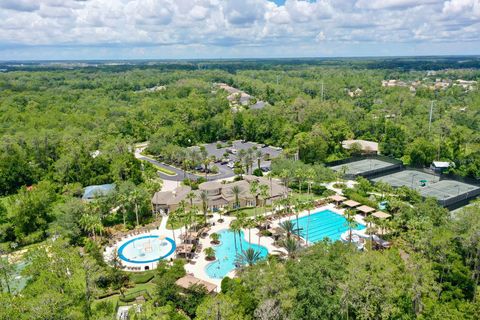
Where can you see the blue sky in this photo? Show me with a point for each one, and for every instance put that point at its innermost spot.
(170, 29)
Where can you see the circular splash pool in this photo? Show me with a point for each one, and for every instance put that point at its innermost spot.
(146, 249)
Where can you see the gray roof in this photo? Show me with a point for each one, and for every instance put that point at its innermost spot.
(92, 192)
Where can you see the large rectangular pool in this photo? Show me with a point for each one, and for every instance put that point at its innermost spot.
(323, 224)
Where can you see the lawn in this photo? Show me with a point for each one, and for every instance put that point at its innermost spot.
(149, 286)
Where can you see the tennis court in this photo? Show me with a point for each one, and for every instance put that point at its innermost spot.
(429, 185)
(364, 167)
(409, 178)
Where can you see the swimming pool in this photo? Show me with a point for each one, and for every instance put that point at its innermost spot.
(226, 253)
(146, 249)
(323, 224)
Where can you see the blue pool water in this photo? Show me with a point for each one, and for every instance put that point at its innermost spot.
(226, 253)
(323, 224)
(146, 249)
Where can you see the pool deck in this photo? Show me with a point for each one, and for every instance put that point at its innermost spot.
(198, 264)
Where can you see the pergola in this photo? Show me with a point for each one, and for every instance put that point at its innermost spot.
(351, 203)
(337, 198)
(189, 280)
(381, 215)
(365, 209)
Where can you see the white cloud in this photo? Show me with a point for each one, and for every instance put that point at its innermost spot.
(235, 24)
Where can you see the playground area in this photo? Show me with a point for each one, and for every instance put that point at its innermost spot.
(365, 167)
(447, 192)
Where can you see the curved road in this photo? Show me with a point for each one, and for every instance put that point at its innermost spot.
(224, 171)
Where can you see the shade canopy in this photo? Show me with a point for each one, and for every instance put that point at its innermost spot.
(351, 203)
(189, 280)
(381, 215)
(337, 198)
(365, 209)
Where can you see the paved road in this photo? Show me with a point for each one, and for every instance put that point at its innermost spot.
(224, 171)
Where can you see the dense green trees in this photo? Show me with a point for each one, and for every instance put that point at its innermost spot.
(62, 130)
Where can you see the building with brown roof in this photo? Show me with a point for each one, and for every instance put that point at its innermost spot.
(219, 195)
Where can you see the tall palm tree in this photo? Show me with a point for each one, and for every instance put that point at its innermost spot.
(254, 192)
(236, 190)
(173, 218)
(241, 157)
(285, 176)
(259, 155)
(300, 175)
(190, 196)
(292, 247)
(204, 198)
(206, 162)
(260, 221)
(236, 228)
(249, 224)
(248, 257)
(264, 194)
(297, 209)
(308, 205)
(250, 158)
(310, 175)
(350, 222)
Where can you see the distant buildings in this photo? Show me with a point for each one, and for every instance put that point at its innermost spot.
(438, 84)
(238, 98)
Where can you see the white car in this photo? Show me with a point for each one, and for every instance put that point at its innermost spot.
(231, 164)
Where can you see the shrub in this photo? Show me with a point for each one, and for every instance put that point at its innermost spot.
(318, 189)
(214, 169)
(257, 172)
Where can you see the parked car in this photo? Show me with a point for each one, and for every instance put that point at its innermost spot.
(225, 161)
(231, 165)
(265, 169)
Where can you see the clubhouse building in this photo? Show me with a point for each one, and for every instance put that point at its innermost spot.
(219, 195)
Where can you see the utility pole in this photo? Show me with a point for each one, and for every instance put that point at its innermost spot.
(430, 119)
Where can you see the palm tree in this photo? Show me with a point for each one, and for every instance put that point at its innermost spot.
(206, 163)
(241, 156)
(297, 209)
(173, 217)
(248, 257)
(91, 223)
(308, 205)
(236, 228)
(215, 237)
(264, 194)
(254, 192)
(300, 175)
(135, 197)
(310, 175)
(260, 221)
(209, 253)
(292, 246)
(288, 227)
(249, 224)
(250, 159)
(236, 190)
(285, 176)
(350, 221)
(259, 155)
(190, 196)
(204, 198)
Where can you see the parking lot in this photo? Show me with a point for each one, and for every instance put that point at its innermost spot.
(225, 155)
